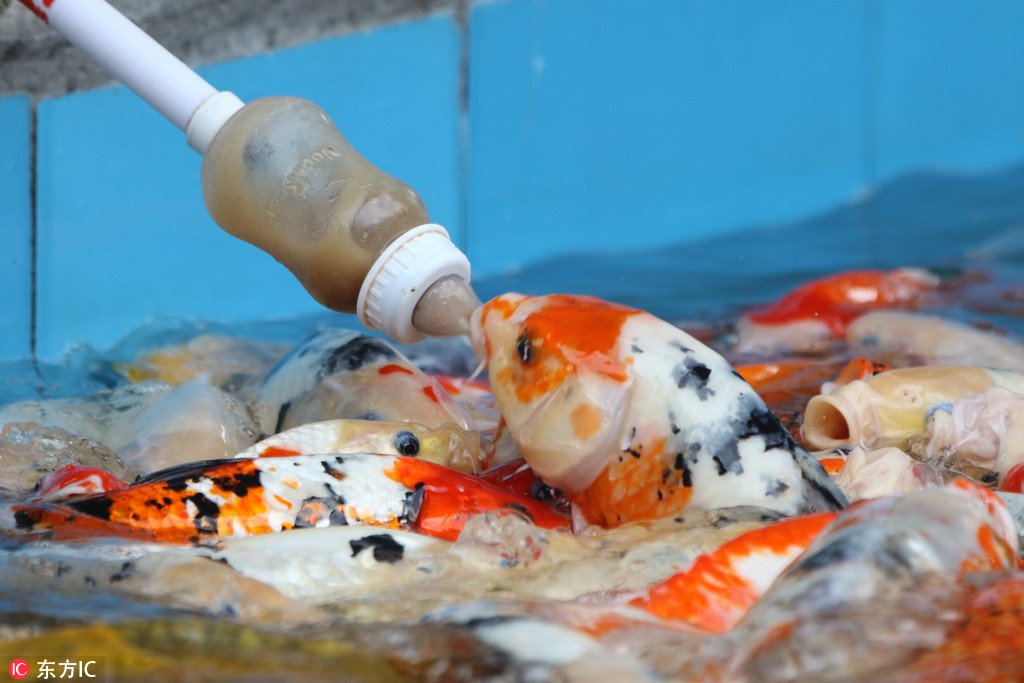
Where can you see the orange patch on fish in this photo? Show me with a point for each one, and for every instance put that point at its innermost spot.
(639, 484)
(450, 499)
(392, 368)
(837, 300)
(586, 420)
(833, 466)
(431, 394)
(278, 452)
(714, 593)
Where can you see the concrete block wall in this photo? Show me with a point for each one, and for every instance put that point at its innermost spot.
(532, 128)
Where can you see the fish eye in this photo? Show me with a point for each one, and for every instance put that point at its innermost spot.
(524, 349)
(406, 443)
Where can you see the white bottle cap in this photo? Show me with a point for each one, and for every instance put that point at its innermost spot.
(209, 118)
(402, 273)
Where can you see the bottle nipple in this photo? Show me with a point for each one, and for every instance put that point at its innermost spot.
(394, 295)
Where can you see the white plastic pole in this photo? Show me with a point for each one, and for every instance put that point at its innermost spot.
(128, 54)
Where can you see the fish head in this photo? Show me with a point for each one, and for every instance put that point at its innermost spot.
(559, 380)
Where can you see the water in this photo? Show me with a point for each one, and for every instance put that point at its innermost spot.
(162, 612)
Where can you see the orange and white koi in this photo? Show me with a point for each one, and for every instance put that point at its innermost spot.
(204, 502)
(812, 315)
(635, 419)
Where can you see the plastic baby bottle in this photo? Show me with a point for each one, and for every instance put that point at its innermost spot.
(278, 174)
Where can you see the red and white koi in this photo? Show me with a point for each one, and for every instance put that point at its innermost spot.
(76, 480)
(635, 419)
(818, 312)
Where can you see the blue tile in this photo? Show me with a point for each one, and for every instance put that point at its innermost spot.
(950, 87)
(16, 227)
(123, 231)
(600, 124)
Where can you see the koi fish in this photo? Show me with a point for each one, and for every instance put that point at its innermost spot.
(884, 564)
(635, 419)
(890, 408)
(204, 502)
(446, 445)
(908, 338)
(820, 311)
(218, 358)
(343, 374)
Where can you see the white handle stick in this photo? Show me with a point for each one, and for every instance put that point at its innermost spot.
(128, 54)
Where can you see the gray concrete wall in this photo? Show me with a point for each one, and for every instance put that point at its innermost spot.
(34, 59)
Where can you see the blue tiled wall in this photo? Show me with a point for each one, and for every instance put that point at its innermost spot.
(592, 125)
(16, 227)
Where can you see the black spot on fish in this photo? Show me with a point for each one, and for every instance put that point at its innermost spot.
(126, 570)
(97, 506)
(207, 513)
(155, 504)
(776, 488)
(177, 485)
(413, 504)
(337, 517)
(636, 349)
(357, 353)
(762, 422)
(331, 471)
(694, 375)
(665, 474)
(661, 496)
(679, 345)
(727, 457)
(634, 452)
(406, 443)
(385, 548)
(314, 510)
(368, 415)
(89, 581)
(632, 433)
(26, 519)
(238, 483)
